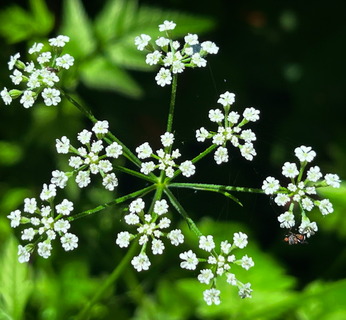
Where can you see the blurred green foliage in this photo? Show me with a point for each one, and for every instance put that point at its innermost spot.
(285, 58)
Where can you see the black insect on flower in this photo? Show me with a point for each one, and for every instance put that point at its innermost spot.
(295, 238)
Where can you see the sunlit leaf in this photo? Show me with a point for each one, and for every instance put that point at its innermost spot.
(15, 287)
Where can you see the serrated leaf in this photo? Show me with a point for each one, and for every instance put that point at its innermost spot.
(15, 287)
(77, 25)
(100, 73)
(115, 19)
(44, 19)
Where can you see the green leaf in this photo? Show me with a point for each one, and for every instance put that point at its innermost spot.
(15, 287)
(18, 24)
(100, 73)
(335, 221)
(77, 25)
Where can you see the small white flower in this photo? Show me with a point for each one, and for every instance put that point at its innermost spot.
(27, 99)
(167, 139)
(332, 180)
(15, 217)
(216, 115)
(286, 220)
(314, 174)
(157, 246)
(197, 60)
(28, 234)
(44, 57)
(161, 207)
(270, 185)
(61, 226)
(245, 291)
(144, 151)
(212, 296)
(13, 60)
(137, 205)
(110, 181)
(248, 135)
(69, 241)
(176, 237)
(202, 134)
(6, 96)
(167, 25)
(51, 96)
(307, 204)
(147, 167)
(65, 207)
(142, 41)
(191, 39)
(36, 47)
(163, 77)
(290, 170)
(83, 179)
(48, 192)
(325, 206)
(30, 205)
(233, 117)
(190, 260)
(304, 154)
(131, 219)
(59, 178)
(247, 151)
(17, 77)
(63, 145)
(221, 155)
(44, 249)
(205, 276)
(281, 199)
(251, 114)
(308, 228)
(210, 47)
(123, 239)
(59, 41)
(247, 262)
(101, 127)
(187, 168)
(231, 279)
(66, 61)
(206, 243)
(23, 254)
(162, 42)
(240, 240)
(141, 262)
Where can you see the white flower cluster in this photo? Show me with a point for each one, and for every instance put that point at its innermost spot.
(219, 265)
(165, 157)
(230, 129)
(40, 76)
(301, 191)
(87, 159)
(149, 228)
(171, 56)
(45, 223)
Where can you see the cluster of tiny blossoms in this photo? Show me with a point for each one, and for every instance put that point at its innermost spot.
(173, 57)
(45, 223)
(150, 228)
(230, 129)
(165, 157)
(39, 76)
(301, 191)
(219, 265)
(87, 159)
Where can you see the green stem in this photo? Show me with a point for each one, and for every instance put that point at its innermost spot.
(197, 158)
(87, 112)
(214, 187)
(112, 278)
(183, 213)
(112, 203)
(172, 103)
